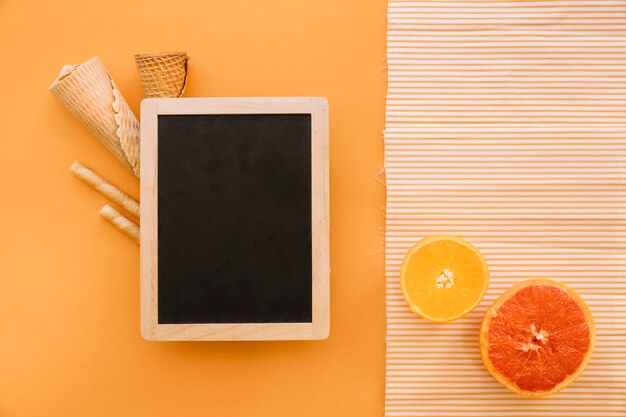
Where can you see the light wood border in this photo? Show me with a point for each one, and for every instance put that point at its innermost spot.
(319, 328)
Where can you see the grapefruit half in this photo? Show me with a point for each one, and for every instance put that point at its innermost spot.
(537, 337)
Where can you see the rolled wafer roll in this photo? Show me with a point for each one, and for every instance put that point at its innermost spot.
(163, 74)
(89, 92)
(118, 220)
(106, 188)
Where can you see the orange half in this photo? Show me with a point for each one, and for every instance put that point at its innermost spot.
(537, 337)
(443, 277)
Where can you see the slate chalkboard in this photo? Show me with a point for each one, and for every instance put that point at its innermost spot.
(234, 219)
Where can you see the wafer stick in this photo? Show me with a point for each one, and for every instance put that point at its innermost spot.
(106, 188)
(118, 220)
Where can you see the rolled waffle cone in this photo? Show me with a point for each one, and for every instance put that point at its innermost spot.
(163, 74)
(89, 92)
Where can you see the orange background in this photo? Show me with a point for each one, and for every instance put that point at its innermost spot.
(69, 282)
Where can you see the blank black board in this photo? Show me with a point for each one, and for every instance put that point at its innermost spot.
(234, 218)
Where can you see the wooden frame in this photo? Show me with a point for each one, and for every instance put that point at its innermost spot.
(320, 325)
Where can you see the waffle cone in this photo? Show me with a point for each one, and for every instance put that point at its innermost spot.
(163, 74)
(89, 92)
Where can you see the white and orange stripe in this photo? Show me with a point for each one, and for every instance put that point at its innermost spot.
(506, 125)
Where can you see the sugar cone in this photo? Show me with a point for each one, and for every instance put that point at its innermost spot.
(163, 74)
(89, 92)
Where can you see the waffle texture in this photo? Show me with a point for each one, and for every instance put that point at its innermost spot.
(90, 94)
(163, 74)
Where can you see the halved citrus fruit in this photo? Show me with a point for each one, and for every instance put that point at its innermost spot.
(443, 277)
(537, 337)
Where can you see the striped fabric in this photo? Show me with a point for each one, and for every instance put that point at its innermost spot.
(506, 125)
